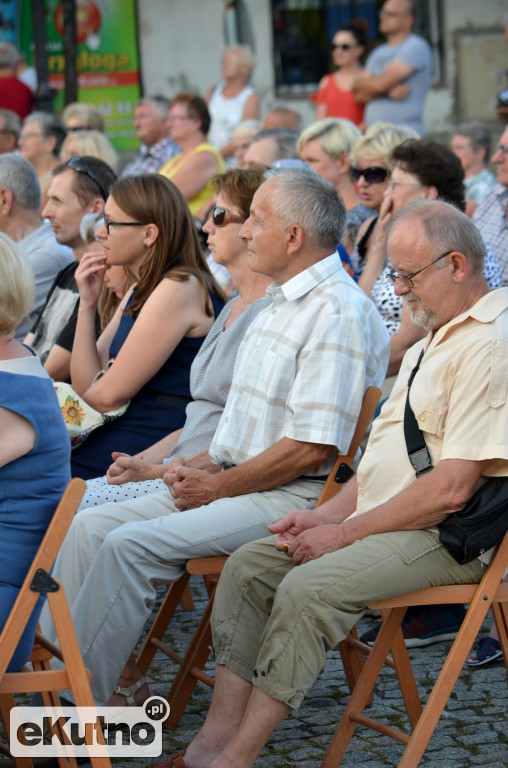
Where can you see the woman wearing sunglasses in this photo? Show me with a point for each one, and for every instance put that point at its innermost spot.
(158, 328)
(371, 166)
(212, 369)
(335, 96)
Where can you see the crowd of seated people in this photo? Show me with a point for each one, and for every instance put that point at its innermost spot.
(225, 414)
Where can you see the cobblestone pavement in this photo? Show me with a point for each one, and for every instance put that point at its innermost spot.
(472, 732)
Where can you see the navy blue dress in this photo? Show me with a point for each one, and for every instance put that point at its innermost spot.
(31, 486)
(155, 411)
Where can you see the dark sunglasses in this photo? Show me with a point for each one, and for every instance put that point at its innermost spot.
(342, 46)
(372, 175)
(81, 166)
(221, 217)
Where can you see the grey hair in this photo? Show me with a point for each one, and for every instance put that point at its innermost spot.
(159, 103)
(12, 122)
(18, 175)
(50, 126)
(447, 228)
(8, 56)
(285, 140)
(478, 134)
(307, 199)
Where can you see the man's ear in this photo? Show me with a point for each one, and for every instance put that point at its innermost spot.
(6, 200)
(460, 266)
(97, 205)
(295, 237)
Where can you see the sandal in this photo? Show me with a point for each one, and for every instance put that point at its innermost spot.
(488, 651)
(128, 692)
(176, 761)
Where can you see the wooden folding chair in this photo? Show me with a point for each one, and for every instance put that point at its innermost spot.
(43, 679)
(489, 593)
(191, 666)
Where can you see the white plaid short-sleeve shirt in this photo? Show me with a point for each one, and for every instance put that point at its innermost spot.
(490, 218)
(303, 367)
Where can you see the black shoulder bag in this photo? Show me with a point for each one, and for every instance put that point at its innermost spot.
(483, 522)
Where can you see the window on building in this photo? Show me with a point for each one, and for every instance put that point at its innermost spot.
(303, 29)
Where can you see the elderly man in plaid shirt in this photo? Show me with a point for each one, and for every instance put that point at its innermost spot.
(298, 384)
(151, 125)
(491, 216)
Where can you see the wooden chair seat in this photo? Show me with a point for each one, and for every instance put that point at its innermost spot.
(362, 676)
(42, 679)
(191, 665)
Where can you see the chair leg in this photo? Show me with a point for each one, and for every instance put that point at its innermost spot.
(444, 684)
(363, 690)
(352, 659)
(500, 613)
(78, 680)
(191, 668)
(161, 622)
(186, 599)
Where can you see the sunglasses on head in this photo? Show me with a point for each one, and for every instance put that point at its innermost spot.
(342, 46)
(221, 217)
(81, 166)
(372, 175)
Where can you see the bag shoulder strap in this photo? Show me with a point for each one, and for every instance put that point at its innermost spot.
(417, 450)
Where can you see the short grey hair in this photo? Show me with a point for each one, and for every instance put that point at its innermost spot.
(447, 228)
(12, 122)
(307, 199)
(8, 56)
(285, 141)
(478, 134)
(159, 103)
(18, 175)
(49, 126)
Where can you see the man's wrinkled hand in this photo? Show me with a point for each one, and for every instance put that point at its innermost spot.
(315, 542)
(191, 488)
(292, 525)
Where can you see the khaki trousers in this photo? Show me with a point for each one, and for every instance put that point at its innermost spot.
(273, 622)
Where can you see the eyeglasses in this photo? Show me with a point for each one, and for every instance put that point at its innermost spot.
(391, 13)
(108, 223)
(501, 148)
(81, 166)
(342, 46)
(30, 135)
(221, 217)
(393, 183)
(76, 128)
(372, 175)
(408, 279)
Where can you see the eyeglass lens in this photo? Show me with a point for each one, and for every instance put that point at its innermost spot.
(373, 175)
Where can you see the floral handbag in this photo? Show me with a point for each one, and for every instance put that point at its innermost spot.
(80, 418)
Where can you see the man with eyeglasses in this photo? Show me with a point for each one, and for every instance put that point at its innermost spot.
(78, 187)
(284, 601)
(491, 216)
(405, 60)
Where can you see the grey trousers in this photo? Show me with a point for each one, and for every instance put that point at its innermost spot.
(273, 622)
(110, 568)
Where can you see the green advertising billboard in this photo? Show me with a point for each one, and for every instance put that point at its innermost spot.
(107, 59)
